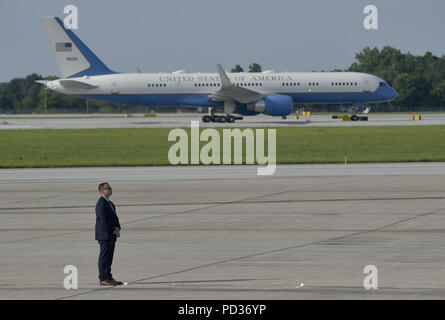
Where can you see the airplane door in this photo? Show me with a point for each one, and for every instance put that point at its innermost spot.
(114, 87)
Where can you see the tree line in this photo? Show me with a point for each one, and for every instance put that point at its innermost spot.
(419, 80)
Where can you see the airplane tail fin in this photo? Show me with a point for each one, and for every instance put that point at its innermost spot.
(75, 59)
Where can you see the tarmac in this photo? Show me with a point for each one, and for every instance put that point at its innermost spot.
(307, 232)
(103, 121)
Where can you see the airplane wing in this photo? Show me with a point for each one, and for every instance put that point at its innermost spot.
(75, 84)
(230, 92)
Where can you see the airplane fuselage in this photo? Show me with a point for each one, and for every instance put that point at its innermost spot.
(196, 89)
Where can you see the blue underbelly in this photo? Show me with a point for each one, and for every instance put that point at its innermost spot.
(203, 99)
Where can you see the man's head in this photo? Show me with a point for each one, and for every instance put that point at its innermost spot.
(105, 189)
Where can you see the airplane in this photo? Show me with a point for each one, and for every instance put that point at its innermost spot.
(269, 92)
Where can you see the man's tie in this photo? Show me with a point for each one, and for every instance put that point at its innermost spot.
(112, 208)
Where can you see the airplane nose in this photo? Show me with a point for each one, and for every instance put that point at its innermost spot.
(393, 93)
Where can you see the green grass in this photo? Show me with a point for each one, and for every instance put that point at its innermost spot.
(143, 147)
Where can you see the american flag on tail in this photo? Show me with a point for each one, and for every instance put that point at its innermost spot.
(64, 47)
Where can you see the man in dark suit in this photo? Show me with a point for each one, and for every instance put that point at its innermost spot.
(107, 230)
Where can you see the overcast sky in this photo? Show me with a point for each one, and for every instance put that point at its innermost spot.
(167, 35)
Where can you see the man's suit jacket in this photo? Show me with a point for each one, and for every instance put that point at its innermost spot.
(106, 220)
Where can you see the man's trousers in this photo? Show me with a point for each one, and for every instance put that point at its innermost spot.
(106, 259)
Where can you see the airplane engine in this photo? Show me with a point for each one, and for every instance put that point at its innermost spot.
(275, 105)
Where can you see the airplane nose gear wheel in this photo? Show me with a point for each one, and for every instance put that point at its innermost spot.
(230, 119)
(206, 119)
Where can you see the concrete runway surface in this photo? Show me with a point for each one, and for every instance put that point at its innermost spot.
(225, 233)
(183, 120)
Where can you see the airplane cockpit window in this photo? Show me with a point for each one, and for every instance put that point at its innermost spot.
(383, 84)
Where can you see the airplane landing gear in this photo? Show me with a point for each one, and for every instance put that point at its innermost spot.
(220, 119)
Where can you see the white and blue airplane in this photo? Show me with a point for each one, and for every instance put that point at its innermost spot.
(269, 92)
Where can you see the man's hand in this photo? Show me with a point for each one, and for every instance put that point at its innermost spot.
(117, 232)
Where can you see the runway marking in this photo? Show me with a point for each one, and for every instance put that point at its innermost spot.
(318, 242)
(231, 202)
(35, 198)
